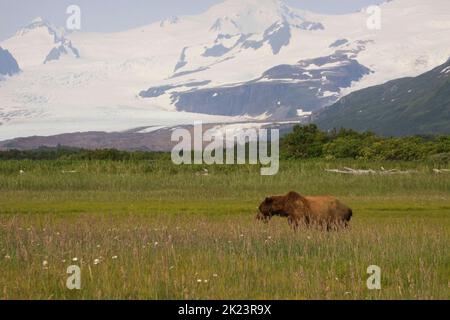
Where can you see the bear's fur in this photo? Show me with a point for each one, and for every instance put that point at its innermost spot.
(324, 211)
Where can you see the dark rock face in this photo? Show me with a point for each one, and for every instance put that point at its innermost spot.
(248, 99)
(62, 49)
(55, 54)
(8, 65)
(252, 44)
(184, 73)
(311, 26)
(281, 91)
(338, 43)
(277, 36)
(216, 51)
(182, 61)
(219, 49)
(219, 23)
(156, 91)
(334, 72)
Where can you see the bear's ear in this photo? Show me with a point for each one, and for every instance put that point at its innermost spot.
(294, 195)
(268, 200)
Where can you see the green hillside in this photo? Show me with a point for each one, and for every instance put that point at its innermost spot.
(407, 106)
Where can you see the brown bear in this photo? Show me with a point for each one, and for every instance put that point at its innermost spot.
(322, 211)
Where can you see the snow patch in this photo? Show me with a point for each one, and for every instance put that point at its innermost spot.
(152, 129)
(301, 113)
(446, 70)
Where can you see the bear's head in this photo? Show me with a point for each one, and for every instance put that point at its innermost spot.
(276, 206)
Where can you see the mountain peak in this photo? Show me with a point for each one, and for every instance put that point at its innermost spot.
(37, 20)
(240, 7)
(252, 16)
(45, 43)
(35, 24)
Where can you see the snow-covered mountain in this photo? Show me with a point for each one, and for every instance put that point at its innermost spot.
(39, 43)
(242, 58)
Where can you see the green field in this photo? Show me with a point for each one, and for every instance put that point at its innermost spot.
(153, 230)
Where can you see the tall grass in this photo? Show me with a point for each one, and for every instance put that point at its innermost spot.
(152, 230)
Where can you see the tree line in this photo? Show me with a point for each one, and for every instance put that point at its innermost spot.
(304, 142)
(68, 153)
(309, 142)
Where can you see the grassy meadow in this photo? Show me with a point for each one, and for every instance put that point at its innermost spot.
(153, 230)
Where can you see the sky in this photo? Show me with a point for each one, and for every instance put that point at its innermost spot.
(119, 15)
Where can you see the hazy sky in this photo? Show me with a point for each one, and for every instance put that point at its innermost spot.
(117, 15)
